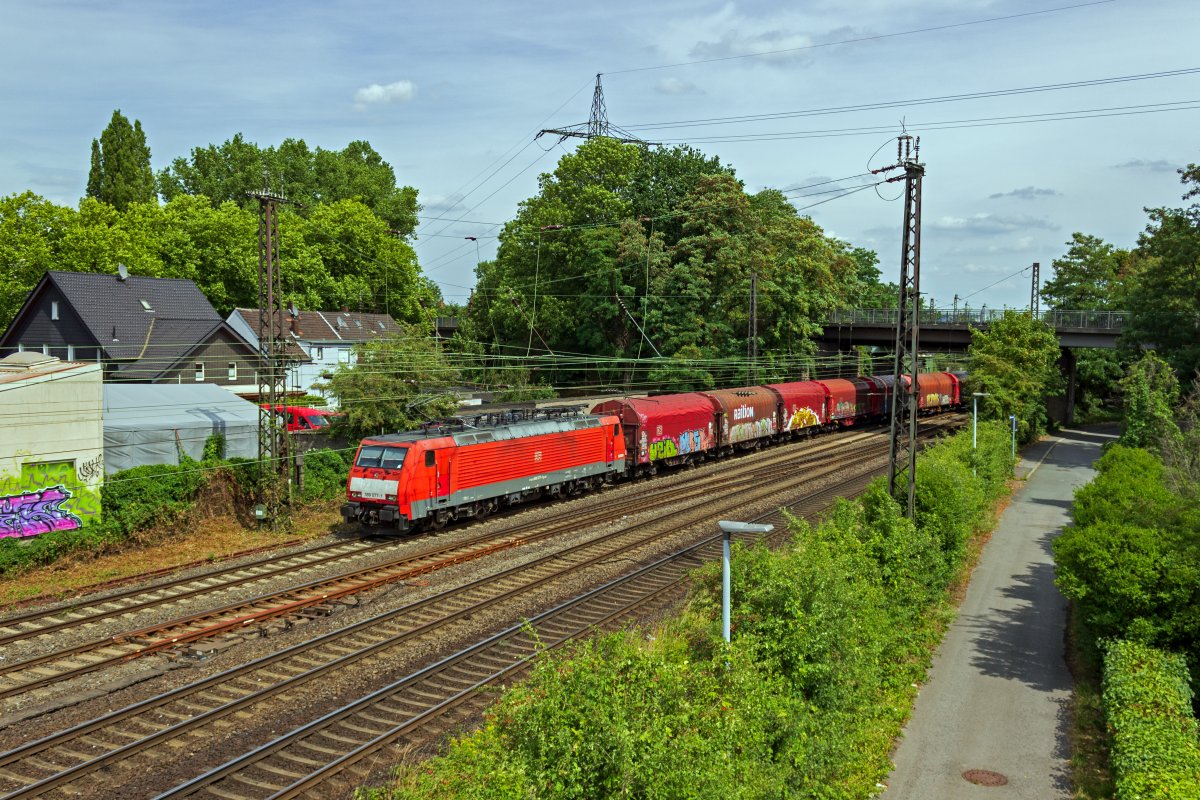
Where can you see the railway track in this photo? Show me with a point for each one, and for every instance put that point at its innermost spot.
(178, 637)
(122, 741)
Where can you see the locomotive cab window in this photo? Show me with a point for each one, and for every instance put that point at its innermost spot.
(616, 429)
(429, 458)
(380, 456)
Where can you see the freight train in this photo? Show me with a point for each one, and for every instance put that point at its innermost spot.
(425, 479)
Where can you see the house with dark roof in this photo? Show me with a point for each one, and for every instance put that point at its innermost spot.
(326, 337)
(142, 330)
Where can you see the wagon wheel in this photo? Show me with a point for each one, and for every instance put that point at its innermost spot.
(482, 510)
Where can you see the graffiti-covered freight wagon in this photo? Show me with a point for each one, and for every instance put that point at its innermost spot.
(668, 430)
(803, 405)
(937, 390)
(424, 479)
(746, 417)
(853, 400)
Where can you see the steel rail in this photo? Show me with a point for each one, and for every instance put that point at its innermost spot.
(67, 775)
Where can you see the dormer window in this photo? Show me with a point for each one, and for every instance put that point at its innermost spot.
(146, 305)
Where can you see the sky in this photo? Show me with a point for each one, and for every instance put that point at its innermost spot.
(452, 95)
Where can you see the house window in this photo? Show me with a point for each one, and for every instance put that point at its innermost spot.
(232, 370)
(319, 353)
(343, 355)
(199, 371)
(146, 305)
(53, 309)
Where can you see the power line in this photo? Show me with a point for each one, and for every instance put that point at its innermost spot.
(858, 39)
(952, 98)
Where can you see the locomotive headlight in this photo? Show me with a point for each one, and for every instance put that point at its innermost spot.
(390, 497)
(356, 494)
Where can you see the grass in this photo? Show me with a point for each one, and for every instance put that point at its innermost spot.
(211, 540)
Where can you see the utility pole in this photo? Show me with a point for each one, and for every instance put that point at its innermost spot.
(752, 335)
(1035, 293)
(903, 448)
(597, 125)
(274, 458)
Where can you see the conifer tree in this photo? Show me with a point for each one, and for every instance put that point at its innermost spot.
(120, 171)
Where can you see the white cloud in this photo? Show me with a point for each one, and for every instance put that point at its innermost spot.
(989, 224)
(1146, 165)
(676, 86)
(1025, 193)
(377, 94)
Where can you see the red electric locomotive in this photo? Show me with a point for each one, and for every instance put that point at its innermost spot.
(424, 479)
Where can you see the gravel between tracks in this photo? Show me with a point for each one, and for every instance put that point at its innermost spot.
(92, 695)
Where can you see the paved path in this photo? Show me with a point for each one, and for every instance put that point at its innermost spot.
(997, 695)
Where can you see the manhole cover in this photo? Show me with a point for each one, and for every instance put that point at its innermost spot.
(985, 777)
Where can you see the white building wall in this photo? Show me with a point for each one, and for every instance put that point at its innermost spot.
(51, 436)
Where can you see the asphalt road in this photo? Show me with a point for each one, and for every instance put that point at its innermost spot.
(997, 696)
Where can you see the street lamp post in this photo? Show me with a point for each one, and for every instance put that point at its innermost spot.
(729, 528)
(975, 428)
(1012, 418)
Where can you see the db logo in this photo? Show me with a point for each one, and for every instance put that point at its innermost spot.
(537, 456)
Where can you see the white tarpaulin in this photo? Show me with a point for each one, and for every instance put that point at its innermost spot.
(148, 423)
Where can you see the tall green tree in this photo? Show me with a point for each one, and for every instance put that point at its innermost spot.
(1015, 362)
(120, 171)
(310, 177)
(1164, 302)
(1090, 276)
(397, 384)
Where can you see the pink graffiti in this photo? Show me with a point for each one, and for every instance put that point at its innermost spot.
(36, 512)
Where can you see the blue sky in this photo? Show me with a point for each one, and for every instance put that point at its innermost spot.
(449, 92)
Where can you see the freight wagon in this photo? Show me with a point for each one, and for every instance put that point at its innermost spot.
(669, 430)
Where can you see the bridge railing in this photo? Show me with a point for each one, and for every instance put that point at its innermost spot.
(1058, 320)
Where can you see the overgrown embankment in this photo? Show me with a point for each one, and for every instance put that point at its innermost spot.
(830, 636)
(143, 505)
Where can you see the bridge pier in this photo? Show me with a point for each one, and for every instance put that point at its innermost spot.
(1061, 409)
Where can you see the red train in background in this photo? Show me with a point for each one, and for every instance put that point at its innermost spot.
(425, 479)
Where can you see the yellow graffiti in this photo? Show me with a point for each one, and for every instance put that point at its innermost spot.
(803, 417)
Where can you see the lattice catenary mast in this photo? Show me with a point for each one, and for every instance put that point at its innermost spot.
(274, 458)
(903, 448)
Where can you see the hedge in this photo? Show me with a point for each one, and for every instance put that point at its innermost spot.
(1155, 750)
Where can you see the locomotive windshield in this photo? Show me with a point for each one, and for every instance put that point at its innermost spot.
(380, 456)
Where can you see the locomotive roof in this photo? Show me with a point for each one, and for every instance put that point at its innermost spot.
(465, 433)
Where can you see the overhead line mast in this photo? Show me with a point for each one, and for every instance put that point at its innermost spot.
(597, 126)
(274, 458)
(903, 448)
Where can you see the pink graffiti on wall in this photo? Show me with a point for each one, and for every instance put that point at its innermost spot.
(36, 512)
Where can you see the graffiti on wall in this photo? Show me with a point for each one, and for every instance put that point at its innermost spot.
(46, 496)
(38, 512)
(91, 471)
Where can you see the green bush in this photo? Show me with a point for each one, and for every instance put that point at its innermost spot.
(141, 497)
(1130, 561)
(1155, 752)
(326, 472)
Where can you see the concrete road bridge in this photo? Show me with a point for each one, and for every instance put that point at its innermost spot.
(945, 329)
(950, 329)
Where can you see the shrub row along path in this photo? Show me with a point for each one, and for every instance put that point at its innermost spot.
(995, 705)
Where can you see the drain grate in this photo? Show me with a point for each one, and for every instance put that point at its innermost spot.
(985, 777)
